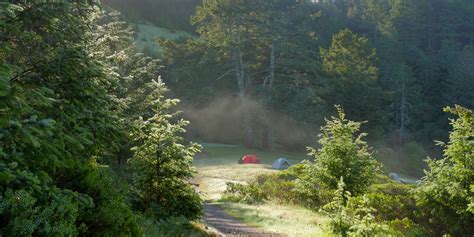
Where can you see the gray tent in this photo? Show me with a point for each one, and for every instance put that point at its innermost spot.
(397, 178)
(281, 164)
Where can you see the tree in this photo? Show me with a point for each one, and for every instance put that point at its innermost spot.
(225, 25)
(352, 77)
(161, 164)
(344, 154)
(60, 123)
(446, 192)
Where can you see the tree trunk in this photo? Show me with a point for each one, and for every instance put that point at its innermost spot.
(242, 82)
(270, 135)
(403, 107)
(272, 61)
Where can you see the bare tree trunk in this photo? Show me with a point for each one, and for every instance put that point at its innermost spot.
(243, 83)
(272, 61)
(270, 130)
(403, 108)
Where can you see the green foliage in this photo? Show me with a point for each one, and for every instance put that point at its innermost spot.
(352, 216)
(352, 76)
(251, 193)
(282, 187)
(406, 227)
(446, 194)
(344, 154)
(58, 117)
(407, 159)
(173, 226)
(66, 115)
(392, 200)
(324, 54)
(161, 164)
(350, 57)
(172, 14)
(25, 215)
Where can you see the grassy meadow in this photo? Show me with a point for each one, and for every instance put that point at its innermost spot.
(218, 165)
(289, 220)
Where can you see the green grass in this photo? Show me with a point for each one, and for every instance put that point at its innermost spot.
(221, 166)
(177, 227)
(284, 219)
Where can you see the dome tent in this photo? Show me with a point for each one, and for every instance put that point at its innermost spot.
(249, 159)
(281, 164)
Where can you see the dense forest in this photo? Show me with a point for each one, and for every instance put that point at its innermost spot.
(93, 143)
(395, 64)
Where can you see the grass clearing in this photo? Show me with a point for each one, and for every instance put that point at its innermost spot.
(173, 227)
(284, 219)
(220, 166)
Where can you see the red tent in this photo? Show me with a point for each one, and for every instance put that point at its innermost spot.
(250, 159)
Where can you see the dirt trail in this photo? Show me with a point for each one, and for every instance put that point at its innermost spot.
(217, 218)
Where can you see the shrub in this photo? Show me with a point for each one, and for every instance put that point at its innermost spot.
(446, 194)
(392, 200)
(162, 161)
(343, 153)
(282, 187)
(406, 227)
(246, 193)
(352, 216)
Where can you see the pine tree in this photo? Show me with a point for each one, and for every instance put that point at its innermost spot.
(343, 154)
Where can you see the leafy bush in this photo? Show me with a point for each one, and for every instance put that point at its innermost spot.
(246, 193)
(445, 196)
(392, 200)
(344, 154)
(352, 216)
(407, 227)
(282, 187)
(162, 165)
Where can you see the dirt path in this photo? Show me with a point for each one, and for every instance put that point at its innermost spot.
(217, 218)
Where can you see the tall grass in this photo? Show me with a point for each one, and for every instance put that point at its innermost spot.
(173, 227)
(284, 219)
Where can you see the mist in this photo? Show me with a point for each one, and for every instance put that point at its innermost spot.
(221, 121)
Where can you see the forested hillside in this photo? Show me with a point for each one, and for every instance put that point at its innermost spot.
(171, 14)
(93, 143)
(393, 63)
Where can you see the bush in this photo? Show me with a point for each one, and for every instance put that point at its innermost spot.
(162, 164)
(246, 193)
(406, 227)
(284, 187)
(445, 196)
(352, 216)
(343, 153)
